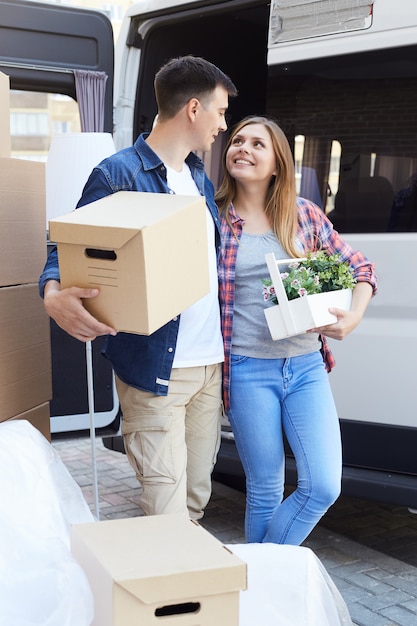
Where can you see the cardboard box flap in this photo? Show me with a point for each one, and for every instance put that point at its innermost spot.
(112, 221)
(172, 558)
(105, 237)
(195, 581)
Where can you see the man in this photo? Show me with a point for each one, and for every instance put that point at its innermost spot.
(169, 384)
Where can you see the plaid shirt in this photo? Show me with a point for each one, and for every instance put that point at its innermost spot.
(313, 227)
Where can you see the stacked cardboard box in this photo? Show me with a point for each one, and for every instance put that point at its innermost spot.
(25, 355)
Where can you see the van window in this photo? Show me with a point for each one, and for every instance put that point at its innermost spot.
(357, 115)
(293, 20)
(35, 117)
(306, 177)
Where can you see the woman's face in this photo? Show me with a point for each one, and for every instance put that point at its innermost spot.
(251, 156)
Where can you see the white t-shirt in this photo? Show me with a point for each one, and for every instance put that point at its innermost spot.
(199, 337)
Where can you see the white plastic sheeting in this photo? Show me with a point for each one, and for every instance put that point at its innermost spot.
(41, 584)
(288, 586)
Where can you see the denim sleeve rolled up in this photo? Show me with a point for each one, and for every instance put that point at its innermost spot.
(143, 362)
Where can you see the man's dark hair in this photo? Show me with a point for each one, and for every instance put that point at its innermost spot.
(184, 78)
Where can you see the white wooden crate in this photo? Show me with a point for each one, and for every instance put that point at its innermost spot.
(293, 317)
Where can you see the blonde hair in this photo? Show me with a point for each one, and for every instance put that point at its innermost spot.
(280, 201)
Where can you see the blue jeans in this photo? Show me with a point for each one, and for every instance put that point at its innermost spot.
(269, 396)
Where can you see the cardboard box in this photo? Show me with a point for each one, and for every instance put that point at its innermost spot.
(162, 569)
(5, 141)
(39, 417)
(25, 353)
(22, 221)
(146, 252)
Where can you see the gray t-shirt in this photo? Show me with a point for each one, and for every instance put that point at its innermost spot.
(251, 336)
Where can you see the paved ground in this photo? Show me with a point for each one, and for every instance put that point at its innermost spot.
(370, 551)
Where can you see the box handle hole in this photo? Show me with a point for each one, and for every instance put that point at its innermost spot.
(94, 253)
(177, 609)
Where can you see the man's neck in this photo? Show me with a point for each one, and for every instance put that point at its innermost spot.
(166, 141)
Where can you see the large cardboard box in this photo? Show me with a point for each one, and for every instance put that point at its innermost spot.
(25, 353)
(146, 252)
(40, 417)
(162, 569)
(5, 141)
(22, 221)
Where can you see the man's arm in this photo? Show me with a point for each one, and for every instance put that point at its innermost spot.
(65, 306)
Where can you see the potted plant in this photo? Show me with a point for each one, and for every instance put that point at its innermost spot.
(302, 296)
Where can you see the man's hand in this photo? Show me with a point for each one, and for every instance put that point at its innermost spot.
(66, 308)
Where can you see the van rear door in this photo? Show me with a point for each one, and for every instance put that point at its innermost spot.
(42, 43)
(343, 97)
(40, 46)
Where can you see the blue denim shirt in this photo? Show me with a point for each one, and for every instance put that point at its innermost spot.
(144, 362)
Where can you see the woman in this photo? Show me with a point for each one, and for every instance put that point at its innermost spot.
(271, 387)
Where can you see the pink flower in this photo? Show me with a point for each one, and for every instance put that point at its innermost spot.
(302, 292)
(268, 292)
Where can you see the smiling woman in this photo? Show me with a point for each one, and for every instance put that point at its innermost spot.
(251, 157)
(271, 387)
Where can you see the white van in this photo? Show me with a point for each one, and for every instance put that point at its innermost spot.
(341, 80)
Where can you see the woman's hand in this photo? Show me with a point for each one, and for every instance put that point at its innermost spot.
(348, 320)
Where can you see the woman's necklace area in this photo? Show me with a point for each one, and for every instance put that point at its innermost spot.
(255, 222)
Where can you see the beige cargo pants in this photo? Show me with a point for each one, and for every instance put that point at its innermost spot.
(172, 441)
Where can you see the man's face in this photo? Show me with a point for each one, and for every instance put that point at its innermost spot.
(210, 119)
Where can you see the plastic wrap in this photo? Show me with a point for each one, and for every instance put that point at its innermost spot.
(41, 584)
(288, 585)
